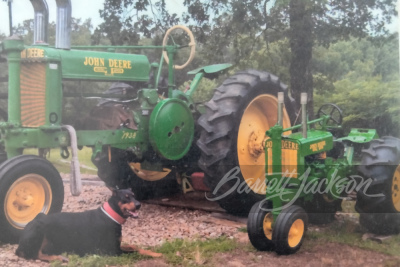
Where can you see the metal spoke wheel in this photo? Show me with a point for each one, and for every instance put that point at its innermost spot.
(191, 44)
(335, 113)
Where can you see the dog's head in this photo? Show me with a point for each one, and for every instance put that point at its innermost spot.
(128, 205)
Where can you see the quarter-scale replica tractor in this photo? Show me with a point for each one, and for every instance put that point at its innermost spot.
(310, 172)
(145, 134)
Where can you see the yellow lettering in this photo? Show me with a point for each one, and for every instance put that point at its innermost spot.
(129, 65)
(86, 61)
(101, 62)
(318, 146)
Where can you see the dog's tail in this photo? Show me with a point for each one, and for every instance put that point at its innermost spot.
(31, 238)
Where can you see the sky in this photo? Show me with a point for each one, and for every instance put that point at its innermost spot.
(23, 10)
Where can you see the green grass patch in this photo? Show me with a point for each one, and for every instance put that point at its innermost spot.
(63, 165)
(197, 252)
(177, 252)
(350, 233)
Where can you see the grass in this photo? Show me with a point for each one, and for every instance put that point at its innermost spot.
(63, 165)
(350, 233)
(195, 253)
(177, 252)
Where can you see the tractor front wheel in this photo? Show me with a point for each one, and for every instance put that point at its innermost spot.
(289, 229)
(117, 173)
(259, 226)
(28, 185)
(378, 201)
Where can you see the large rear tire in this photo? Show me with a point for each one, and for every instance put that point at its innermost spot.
(232, 135)
(379, 203)
(28, 185)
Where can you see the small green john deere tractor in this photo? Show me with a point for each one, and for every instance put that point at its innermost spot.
(309, 172)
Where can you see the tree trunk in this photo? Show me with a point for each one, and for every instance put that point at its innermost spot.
(301, 44)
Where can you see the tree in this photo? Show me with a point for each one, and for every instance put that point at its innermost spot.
(236, 26)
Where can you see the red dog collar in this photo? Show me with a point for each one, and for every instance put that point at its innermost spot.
(112, 214)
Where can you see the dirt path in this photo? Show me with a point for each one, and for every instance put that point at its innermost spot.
(157, 224)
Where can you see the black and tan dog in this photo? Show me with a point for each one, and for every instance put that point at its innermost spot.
(90, 232)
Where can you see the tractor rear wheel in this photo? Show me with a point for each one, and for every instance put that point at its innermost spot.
(379, 202)
(232, 135)
(28, 185)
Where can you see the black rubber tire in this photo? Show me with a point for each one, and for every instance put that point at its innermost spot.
(280, 233)
(219, 130)
(379, 162)
(321, 211)
(13, 169)
(255, 228)
(118, 174)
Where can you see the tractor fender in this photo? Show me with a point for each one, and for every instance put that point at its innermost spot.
(211, 71)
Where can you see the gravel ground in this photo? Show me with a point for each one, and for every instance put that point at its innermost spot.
(154, 225)
(157, 224)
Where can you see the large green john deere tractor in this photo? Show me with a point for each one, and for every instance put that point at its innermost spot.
(143, 135)
(309, 173)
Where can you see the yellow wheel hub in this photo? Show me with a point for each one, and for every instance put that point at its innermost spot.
(258, 117)
(267, 225)
(396, 189)
(27, 196)
(146, 174)
(296, 233)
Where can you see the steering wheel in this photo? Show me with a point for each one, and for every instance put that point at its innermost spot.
(335, 113)
(192, 45)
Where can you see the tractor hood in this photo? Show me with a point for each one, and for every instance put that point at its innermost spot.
(90, 65)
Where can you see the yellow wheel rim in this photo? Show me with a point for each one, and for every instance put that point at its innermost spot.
(259, 116)
(267, 225)
(27, 196)
(146, 174)
(296, 233)
(396, 189)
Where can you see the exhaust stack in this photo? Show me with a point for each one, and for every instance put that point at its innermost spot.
(63, 25)
(303, 100)
(41, 21)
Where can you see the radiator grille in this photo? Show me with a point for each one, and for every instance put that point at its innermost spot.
(33, 94)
